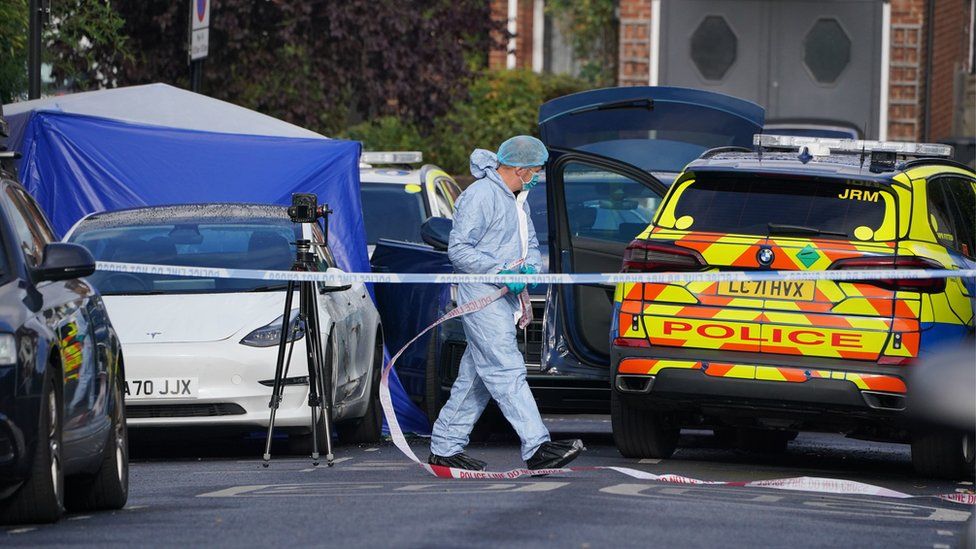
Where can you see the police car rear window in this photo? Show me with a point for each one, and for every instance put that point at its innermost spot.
(393, 212)
(819, 208)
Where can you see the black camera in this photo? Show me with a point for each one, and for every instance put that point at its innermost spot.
(305, 208)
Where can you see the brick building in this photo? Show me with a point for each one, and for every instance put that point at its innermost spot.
(897, 69)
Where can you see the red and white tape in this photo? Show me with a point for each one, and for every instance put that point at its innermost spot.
(801, 484)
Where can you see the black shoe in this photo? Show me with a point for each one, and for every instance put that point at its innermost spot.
(458, 461)
(553, 455)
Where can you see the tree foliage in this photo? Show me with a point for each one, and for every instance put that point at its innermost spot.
(85, 44)
(13, 49)
(591, 26)
(498, 105)
(319, 63)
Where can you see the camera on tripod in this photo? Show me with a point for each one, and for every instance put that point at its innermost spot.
(305, 208)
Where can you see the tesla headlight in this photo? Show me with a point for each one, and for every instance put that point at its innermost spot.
(8, 350)
(268, 335)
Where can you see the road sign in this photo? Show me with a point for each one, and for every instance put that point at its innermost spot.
(199, 29)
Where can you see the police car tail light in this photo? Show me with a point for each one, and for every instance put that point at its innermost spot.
(644, 256)
(925, 285)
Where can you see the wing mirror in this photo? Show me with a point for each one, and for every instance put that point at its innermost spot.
(63, 261)
(326, 288)
(436, 231)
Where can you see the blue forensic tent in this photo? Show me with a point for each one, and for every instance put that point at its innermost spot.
(156, 144)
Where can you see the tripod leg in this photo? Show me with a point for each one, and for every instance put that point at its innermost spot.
(279, 369)
(311, 342)
(323, 376)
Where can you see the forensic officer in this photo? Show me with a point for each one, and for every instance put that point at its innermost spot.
(493, 233)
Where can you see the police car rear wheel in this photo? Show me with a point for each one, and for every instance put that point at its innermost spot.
(640, 433)
(943, 454)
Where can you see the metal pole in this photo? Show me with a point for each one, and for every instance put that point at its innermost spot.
(196, 74)
(34, 50)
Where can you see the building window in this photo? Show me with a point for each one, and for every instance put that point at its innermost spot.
(826, 50)
(713, 47)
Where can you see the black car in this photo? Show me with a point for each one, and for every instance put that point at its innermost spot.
(63, 440)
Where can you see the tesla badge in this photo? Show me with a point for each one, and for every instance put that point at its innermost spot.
(765, 256)
(153, 334)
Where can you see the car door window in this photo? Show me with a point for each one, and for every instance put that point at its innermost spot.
(444, 197)
(604, 205)
(43, 228)
(598, 206)
(951, 207)
(962, 201)
(323, 255)
(29, 238)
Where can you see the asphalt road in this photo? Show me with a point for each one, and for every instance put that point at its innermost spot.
(187, 492)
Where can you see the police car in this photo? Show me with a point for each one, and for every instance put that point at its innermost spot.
(763, 360)
(397, 199)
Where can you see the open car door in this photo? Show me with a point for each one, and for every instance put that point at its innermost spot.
(613, 154)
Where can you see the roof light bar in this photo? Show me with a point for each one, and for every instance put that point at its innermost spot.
(392, 157)
(851, 145)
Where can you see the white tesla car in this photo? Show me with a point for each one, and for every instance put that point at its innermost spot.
(201, 351)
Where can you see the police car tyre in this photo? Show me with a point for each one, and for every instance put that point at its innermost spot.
(765, 441)
(640, 433)
(109, 487)
(41, 497)
(943, 454)
(368, 428)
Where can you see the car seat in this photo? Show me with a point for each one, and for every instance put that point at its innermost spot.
(269, 250)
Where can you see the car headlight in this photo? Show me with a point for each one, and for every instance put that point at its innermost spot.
(8, 350)
(270, 334)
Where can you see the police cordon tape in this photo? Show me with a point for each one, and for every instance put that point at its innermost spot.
(801, 484)
(545, 278)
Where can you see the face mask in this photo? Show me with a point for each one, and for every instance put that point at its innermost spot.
(532, 182)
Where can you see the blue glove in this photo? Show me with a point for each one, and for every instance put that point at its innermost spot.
(529, 269)
(513, 287)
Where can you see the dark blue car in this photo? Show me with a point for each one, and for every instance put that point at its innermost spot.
(613, 154)
(63, 440)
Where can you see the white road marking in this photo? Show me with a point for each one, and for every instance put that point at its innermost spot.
(944, 532)
(824, 503)
(381, 489)
(21, 530)
(940, 546)
(371, 449)
(966, 482)
(80, 517)
(324, 465)
(234, 491)
(134, 507)
(493, 487)
(649, 460)
(766, 499)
